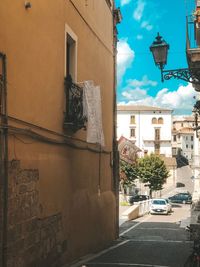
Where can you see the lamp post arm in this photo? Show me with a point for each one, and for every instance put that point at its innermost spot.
(189, 75)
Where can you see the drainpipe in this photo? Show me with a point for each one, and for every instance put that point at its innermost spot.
(4, 156)
(116, 19)
(115, 147)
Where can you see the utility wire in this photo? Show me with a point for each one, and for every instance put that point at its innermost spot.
(42, 138)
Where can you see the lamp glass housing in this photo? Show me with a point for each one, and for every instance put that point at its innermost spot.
(159, 49)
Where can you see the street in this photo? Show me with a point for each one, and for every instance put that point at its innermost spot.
(152, 240)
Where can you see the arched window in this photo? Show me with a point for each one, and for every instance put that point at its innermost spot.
(160, 120)
(154, 121)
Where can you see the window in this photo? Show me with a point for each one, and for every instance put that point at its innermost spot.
(70, 53)
(154, 121)
(132, 119)
(174, 153)
(174, 138)
(186, 146)
(192, 147)
(192, 138)
(132, 132)
(160, 120)
(157, 134)
(157, 141)
(157, 149)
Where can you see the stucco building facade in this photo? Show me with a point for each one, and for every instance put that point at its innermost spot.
(149, 127)
(58, 190)
(183, 136)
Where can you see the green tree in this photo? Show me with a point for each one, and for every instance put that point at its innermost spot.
(152, 172)
(128, 173)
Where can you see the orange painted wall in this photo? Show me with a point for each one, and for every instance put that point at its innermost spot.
(70, 180)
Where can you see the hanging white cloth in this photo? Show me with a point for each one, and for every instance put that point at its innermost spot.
(92, 109)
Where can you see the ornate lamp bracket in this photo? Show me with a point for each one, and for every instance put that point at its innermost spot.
(74, 118)
(191, 75)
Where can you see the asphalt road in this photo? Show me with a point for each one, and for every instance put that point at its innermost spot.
(152, 240)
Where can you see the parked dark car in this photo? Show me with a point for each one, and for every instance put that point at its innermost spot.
(138, 198)
(180, 184)
(181, 198)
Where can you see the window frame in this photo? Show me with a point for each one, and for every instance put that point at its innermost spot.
(132, 136)
(154, 120)
(132, 119)
(160, 120)
(74, 39)
(157, 133)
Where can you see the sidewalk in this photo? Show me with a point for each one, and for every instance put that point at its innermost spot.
(132, 249)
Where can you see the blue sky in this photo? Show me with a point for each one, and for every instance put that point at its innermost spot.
(138, 78)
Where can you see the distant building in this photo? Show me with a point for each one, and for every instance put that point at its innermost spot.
(149, 127)
(183, 136)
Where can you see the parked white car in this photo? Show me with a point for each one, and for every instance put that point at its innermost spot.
(169, 204)
(159, 206)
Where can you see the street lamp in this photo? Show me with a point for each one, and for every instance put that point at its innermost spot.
(159, 49)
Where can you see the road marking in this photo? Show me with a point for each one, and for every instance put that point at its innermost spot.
(132, 227)
(161, 241)
(80, 263)
(159, 228)
(124, 264)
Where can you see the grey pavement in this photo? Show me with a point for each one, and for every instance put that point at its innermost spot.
(156, 241)
(152, 240)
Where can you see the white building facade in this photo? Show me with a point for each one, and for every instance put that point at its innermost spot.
(183, 136)
(149, 127)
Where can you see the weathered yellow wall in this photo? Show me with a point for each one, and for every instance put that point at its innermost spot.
(34, 43)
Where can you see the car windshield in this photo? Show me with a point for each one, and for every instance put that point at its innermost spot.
(159, 202)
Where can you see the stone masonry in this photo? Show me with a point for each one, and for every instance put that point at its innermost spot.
(32, 241)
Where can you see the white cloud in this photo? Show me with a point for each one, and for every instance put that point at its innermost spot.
(138, 13)
(144, 82)
(124, 2)
(125, 57)
(139, 37)
(181, 100)
(134, 95)
(146, 25)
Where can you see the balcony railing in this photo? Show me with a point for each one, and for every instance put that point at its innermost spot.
(74, 119)
(156, 140)
(193, 45)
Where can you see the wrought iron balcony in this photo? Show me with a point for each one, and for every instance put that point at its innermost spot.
(74, 118)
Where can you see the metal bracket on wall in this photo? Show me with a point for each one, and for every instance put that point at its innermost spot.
(74, 118)
(191, 75)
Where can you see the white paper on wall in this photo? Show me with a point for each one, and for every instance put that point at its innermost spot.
(92, 108)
